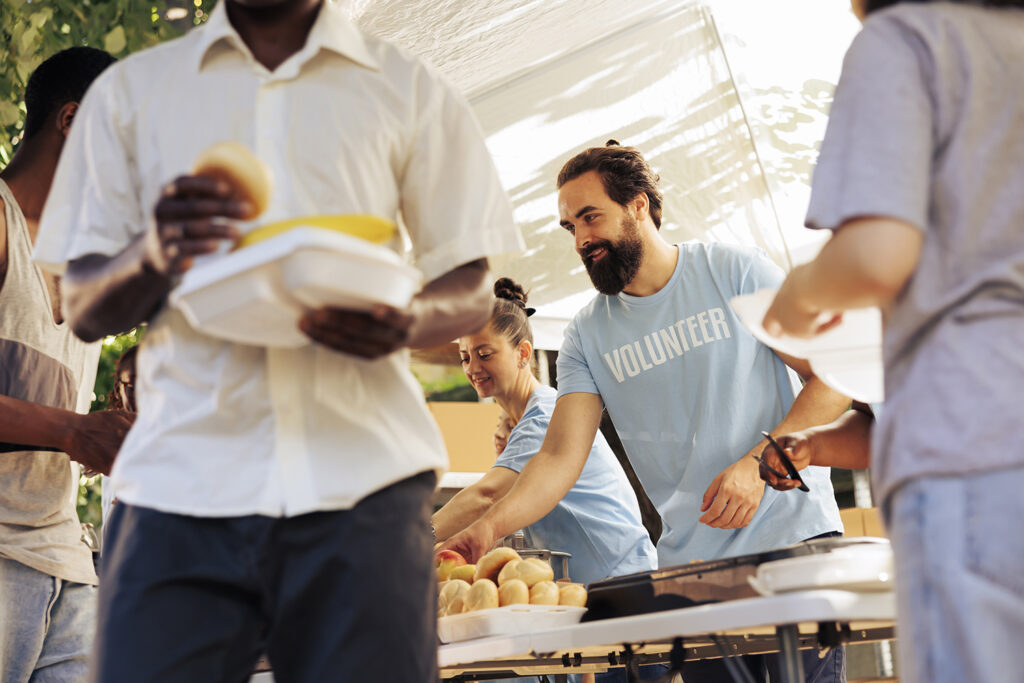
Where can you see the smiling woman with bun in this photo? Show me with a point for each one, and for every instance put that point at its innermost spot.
(598, 521)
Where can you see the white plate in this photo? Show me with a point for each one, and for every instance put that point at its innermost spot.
(506, 621)
(847, 358)
(862, 568)
(256, 295)
(858, 373)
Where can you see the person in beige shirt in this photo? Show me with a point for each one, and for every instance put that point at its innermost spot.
(47, 580)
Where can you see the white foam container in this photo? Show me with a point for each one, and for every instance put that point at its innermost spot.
(256, 295)
(860, 568)
(506, 621)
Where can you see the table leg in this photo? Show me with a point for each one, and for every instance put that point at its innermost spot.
(789, 644)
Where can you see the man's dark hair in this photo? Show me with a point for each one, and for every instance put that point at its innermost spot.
(875, 5)
(623, 171)
(62, 78)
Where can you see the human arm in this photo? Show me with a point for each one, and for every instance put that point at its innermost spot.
(92, 439)
(735, 494)
(867, 263)
(543, 482)
(472, 502)
(454, 304)
(109, 294)
(3, 244)
(843, 443)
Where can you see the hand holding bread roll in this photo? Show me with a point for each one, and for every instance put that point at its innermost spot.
(249, 178)
(227, 182)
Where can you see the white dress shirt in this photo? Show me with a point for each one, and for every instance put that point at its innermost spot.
(349, 124)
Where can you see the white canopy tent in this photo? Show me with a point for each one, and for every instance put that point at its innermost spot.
(718, 96)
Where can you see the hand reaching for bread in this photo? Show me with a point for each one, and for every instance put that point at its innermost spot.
(227, 182)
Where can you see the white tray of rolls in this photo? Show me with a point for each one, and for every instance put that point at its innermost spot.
(506, 595)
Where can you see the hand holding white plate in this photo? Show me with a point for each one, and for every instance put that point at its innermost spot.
(847, 357)
(256, 295)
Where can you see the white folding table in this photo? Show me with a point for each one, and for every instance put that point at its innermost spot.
(778, 623)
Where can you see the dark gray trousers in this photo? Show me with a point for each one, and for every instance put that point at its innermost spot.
(346, 595)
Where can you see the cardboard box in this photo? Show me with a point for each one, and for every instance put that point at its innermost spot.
(468, 431)
(862, 522)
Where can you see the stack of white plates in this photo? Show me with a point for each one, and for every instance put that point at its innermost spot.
(862, 567)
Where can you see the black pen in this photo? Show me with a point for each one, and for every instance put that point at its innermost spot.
(786, 462)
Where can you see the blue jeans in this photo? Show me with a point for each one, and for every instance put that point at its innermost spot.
(959, 553)
(46, 626)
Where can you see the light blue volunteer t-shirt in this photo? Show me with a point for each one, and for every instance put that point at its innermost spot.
(689, 391)
(598, 521)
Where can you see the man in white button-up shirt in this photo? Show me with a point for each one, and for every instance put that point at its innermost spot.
(272, 498)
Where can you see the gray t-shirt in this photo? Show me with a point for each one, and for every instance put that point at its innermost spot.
(927, 127)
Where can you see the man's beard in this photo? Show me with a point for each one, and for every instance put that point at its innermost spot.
(621, 261)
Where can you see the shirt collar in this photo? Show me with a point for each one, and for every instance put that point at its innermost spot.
(332, 31)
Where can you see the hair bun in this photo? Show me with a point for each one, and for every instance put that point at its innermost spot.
(613, 143)
(507, 288)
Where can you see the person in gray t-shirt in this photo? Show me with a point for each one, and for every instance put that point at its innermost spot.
(921, 176)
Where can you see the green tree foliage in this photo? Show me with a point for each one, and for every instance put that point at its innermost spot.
(32, 30)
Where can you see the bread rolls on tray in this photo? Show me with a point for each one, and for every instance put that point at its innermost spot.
(503, 578)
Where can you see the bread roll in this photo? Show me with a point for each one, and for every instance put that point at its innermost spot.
(449, 591)
(249, 178)
(508, 571)
(489, 566)
(513, 592)
(483, 594)
(544, 593)
(532, 571)
(572, 594)
(457, 605)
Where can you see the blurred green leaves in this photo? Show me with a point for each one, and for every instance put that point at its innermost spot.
(31, 31)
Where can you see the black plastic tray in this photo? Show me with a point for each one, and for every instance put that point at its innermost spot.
(692, 584)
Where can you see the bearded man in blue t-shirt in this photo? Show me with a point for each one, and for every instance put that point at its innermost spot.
(688, 389)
